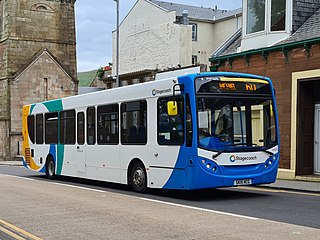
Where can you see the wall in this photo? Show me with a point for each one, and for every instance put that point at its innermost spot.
(150, 39)
(211, 36)
(4, 118)
(28, 30)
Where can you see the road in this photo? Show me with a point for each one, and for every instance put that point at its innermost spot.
(70, 208)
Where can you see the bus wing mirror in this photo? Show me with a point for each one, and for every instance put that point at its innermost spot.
(172, 108)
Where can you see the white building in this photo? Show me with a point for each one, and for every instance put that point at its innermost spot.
(158, 35)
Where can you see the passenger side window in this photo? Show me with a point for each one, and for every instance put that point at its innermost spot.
(170, 128)
(39, 129)
(68, 127)
(30, 123)
(134, 122)
(80, 128)
(91, 126)
(51, 128)
(108, 124)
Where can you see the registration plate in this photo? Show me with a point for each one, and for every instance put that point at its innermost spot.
(242, 182)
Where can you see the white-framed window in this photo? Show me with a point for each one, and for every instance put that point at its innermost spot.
(278, 15)
(256, 15)
(265, 15)
(194, 31)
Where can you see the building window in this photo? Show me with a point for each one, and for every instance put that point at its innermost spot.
(194, 32)
(278, 15)
(194, 59)
(256, 11)
(41, 8)
(263, 15)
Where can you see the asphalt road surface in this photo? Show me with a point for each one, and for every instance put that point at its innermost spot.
(71, 208)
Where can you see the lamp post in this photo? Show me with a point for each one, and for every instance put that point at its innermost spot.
(117, 46)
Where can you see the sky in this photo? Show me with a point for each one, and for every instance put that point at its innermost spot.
(96, 19)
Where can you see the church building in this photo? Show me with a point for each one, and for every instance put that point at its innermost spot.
(37, 61)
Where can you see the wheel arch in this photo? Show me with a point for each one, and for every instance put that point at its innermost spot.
(49, 157)
(130, 166)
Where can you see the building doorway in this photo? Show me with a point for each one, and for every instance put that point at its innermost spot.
(307, 126)
(317, 139)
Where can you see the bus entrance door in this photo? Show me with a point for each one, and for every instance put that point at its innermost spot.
(80, 146)
(81, 159)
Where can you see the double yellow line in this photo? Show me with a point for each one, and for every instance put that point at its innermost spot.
(16, 232)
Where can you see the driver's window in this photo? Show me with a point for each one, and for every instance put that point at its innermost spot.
(170, 128)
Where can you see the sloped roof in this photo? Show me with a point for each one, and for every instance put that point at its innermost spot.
(36, 57)
(201, 13)
(230, 46)
(310, 29)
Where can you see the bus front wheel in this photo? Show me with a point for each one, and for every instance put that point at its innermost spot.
(50, 168)
(138, 178)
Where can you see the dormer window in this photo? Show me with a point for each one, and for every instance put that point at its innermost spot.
(256, 12)
(265, 15)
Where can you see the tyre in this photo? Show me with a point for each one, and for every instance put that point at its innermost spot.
(50, 168)
(138, 178)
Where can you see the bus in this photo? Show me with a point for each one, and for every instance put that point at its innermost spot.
(195, 131)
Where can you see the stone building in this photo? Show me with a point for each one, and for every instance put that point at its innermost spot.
(281, 40)
(38, 60)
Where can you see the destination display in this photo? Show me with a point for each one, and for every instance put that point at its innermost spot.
(238, 85)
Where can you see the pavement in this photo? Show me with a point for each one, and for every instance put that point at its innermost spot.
(301, 184)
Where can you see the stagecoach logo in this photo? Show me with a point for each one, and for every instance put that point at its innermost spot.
(234, 158)
(160, 92)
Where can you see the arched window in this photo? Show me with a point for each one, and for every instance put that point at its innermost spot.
(40, 7)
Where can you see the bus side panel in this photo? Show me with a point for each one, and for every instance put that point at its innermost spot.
(162, 161)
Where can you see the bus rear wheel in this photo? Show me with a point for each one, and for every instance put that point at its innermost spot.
(50, 168)
(138, 178)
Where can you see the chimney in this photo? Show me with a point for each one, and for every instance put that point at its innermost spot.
(185, 17)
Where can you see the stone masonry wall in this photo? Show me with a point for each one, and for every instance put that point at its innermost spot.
(3, 118)
(30, 28)
(43, 80)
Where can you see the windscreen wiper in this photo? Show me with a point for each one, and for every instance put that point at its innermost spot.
(227, 147)
(239, 144)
